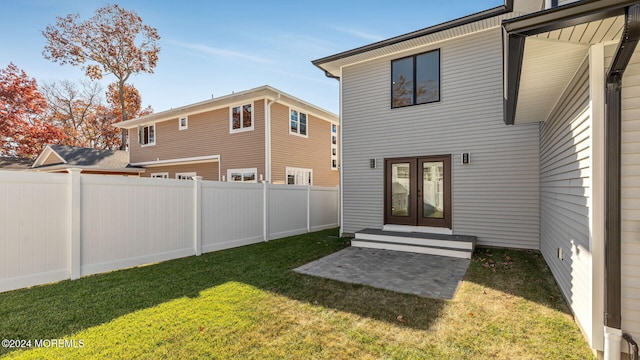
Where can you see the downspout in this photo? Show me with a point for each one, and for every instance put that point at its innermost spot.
(613, 156)
(633, 351)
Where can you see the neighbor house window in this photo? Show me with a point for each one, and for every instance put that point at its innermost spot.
(299, 176)
(298, 122)
(241, 118)
(185, 175)
(183, 123)
(415, 79)
(161, 175)
(334, 147)
(147, 134)
(242, 175)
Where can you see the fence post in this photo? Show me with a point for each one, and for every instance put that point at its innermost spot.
(308, 208)
(197, 214)
(75, 221)
(265, 211)
(339, 206)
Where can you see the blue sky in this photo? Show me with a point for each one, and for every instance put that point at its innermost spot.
(217, 47)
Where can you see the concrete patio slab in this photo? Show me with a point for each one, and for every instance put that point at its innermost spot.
(431, 276)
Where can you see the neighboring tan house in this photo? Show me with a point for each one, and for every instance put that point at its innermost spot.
(262, 134)
(494, 125)
(60, 158)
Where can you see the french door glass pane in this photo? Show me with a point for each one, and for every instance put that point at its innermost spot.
(433, 189)
(400, 189)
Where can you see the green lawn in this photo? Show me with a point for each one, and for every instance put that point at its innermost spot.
(246, 303)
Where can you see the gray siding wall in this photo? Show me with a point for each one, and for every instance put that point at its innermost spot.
(496, 197)
(630, 195)
(565, 181)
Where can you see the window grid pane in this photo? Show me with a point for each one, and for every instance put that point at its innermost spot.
(402, 82)
(294, 121)
(246, 116)
(236, 118)
(428, 77)
(303, 124)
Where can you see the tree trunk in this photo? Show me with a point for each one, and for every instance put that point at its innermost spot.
(123, 107)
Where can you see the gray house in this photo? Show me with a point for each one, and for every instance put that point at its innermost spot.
(519, 125)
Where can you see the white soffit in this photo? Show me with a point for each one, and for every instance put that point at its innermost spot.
(547, 68)
(594, 32)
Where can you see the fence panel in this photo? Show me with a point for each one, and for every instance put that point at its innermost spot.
(34, 229)
(287, 210)
(232, 215)
(60, 226)
(324, 202)
(134, 221)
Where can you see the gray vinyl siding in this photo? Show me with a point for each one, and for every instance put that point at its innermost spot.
(565, 181)
(630, 196)
(496, 197)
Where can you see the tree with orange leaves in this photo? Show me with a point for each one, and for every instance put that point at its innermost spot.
(132, 101)
(22, 131)
(114, 40)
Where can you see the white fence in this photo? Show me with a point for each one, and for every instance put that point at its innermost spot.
(63, 226)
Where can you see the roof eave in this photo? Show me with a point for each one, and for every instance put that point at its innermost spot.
(517, 29)
(59, 167)
(264, 91)
(486, 14)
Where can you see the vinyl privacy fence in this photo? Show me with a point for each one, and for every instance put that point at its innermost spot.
(63, 226)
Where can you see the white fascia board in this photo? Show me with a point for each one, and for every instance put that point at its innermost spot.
(181, 161)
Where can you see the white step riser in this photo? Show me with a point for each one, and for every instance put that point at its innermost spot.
(413, 241)
(423, 229)
(414, 249)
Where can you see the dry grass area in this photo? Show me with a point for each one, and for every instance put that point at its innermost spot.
(246, 303)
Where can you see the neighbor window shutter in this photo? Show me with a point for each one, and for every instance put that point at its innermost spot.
(139, 135)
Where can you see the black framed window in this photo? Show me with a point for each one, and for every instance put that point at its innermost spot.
(415, 79)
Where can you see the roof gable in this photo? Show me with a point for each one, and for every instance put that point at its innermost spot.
(48, 157)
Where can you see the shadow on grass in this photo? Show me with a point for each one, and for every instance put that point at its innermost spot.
(522, 273)
(61, 309)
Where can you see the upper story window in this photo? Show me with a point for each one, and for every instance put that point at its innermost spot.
(147, 135)
(183, 123)
(241, 118)
(298, 121)
(415, 79)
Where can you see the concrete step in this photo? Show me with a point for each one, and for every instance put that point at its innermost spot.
(460, 246)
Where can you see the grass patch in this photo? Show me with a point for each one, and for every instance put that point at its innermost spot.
(246, 303)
